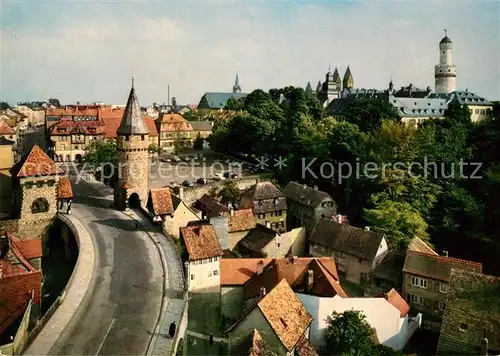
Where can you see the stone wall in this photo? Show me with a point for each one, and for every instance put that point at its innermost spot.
(190, 194)
(133, 169)
(32, 225)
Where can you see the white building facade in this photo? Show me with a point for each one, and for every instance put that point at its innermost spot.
(203, 273)
(392, 330)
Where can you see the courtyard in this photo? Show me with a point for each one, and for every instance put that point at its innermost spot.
(204, 317)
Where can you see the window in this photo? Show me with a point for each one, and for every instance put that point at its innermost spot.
(418, 282)
(216, 272)
(463, 327)
(40, 205)
(442, 306)
(443, 288)
(261, 216)
(192, 277)
(416, 299)
(210, 273)
(142, 137)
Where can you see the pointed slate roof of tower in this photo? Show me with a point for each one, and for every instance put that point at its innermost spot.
(445, 39)
(336, 75)
(236, 86)
(133, 122)
(348, 73)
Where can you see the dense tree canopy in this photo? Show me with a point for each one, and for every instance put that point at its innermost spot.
(439, 181)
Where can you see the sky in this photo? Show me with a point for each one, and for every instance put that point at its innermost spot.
(88, 51)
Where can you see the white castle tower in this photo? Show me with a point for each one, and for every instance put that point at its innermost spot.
(445, 73)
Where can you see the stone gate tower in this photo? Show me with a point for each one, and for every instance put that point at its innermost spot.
(445, 73)
(132, 185)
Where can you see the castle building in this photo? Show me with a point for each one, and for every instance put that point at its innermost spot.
(445, 73)
(131, 189)
(332, 87)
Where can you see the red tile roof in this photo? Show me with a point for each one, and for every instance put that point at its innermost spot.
(304, 348)
(18, 283)
(242, 220)
(237, 271)
(286, 314)
(161, 201)
(28, 248)
(201, 242)
(394, 298)
(5, 129)
(73, 110)
(68, 127)
(172, 123)
(35, 163)
(113, 117)
(64, 190)
(151, 126)
(295, 271)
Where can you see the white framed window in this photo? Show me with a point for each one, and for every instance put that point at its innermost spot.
(418, 282)
(443, 288)
(442, 306)
(216, 272)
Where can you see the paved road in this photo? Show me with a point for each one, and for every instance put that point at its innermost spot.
(125, 304)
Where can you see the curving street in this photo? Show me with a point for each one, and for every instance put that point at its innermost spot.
(125, 302)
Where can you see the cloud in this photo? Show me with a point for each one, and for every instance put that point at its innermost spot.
(89, 51)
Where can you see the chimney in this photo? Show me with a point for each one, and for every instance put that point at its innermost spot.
(339, 219)
(310, 279)
(445, 253)
(231, 211)
(260, 267)
(293, 259)
(367, 228)
(181, 193)
(315, 187)
(268, 224)
(262, 292)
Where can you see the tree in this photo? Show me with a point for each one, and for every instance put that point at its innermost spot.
(368, 113)
(349, 334)
(100, 152)
(229, 194)
(153, 148)
(198, 142)
(235, 104)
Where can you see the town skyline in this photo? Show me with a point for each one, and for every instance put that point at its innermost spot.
(88, 52)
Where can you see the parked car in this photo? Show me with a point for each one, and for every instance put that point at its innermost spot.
(176, 159)
(219, 176)
(173, 185)
(187, 183)
(165, 159)
(186, 158)
(201, 181)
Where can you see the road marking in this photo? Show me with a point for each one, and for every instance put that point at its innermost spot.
(105, 336)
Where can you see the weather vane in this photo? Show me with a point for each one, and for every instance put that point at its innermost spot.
(445, 32)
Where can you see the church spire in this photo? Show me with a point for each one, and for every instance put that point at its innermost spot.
(348, 81)
(236, 86)
(132, 121)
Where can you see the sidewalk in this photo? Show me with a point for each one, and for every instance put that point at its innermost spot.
(174, 279)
